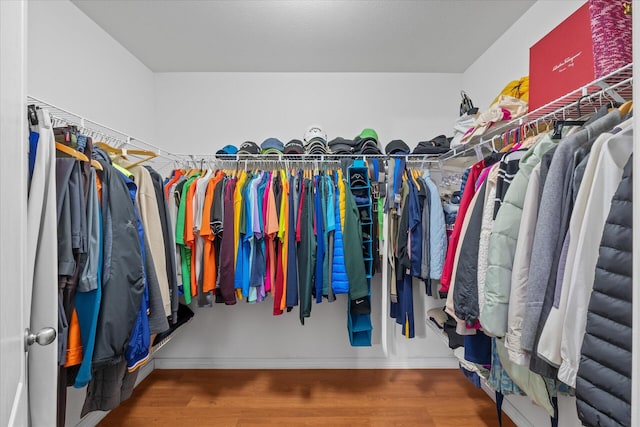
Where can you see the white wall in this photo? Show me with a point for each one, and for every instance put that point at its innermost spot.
(508, 58)
(201, 112)
(76, 65)
(250, 337)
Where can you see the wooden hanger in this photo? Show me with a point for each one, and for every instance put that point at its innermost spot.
(414, 176)
(625, 108)
(96, 164)
(77, 155)
(148, 155)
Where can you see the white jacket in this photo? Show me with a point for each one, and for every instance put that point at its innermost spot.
(549, 344)
(485, 231)
(614, 155)
(502, 243)
(520, 271)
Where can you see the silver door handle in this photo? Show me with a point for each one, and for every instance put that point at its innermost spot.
(44, 336)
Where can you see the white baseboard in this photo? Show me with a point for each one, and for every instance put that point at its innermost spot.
(93, 418)
(307, 363)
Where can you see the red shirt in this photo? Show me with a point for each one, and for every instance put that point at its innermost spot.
(469, 192)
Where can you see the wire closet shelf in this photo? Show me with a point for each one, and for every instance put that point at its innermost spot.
(93, 129)
(617, 86)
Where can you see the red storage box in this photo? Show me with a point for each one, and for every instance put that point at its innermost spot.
(591, 43)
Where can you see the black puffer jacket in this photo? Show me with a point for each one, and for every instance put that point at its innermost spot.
(603, 386)
(465, 292)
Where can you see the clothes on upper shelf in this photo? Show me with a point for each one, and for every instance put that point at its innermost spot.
(539, 259)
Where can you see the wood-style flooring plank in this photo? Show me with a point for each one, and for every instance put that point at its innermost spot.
(318, 397)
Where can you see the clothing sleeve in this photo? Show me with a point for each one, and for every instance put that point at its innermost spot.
(467, 195)
(544, 245)
(465, 297)
(500, 255)
(449, 307)
(331, 219)
(272, 216)
(89, 277)
(520, 275)
(483, 246)
(217, 215)
(438, 233)
(150, 217)
(157, 318)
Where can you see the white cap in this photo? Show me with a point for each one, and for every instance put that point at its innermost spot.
(314, 132)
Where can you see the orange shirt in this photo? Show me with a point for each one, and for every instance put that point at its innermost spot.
(74, 342)
(209, 271)
(176, 176)
(271, 230)
(99, 187)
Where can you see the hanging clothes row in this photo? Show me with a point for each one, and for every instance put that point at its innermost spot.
(417, 239)
(115, 265)
(296, 236)
(537, 271)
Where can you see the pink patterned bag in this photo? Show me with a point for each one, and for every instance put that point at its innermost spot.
(611, 32)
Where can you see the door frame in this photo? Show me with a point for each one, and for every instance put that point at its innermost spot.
(14, 308)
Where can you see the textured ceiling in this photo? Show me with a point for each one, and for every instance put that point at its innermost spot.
(306, 35)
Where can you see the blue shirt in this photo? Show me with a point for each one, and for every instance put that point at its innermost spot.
(437, 229)
(415, 229)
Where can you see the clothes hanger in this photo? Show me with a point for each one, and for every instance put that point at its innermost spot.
(77, 155)
(122, 152)
(72, 152)
(96, 164)
(414, 176)
(559, 125)
(625, 108)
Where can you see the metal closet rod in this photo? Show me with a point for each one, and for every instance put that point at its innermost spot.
(564, 103)
(112, 135)
(120, 139)
(299, 157)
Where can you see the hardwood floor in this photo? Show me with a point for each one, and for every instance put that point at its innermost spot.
(360, 397)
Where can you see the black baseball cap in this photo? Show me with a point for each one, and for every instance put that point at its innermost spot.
(340, 145)
(294, 146)
(397, 146)
(249, 147)
(369, 147)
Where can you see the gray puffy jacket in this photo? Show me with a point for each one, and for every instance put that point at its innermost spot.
(603, 386)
